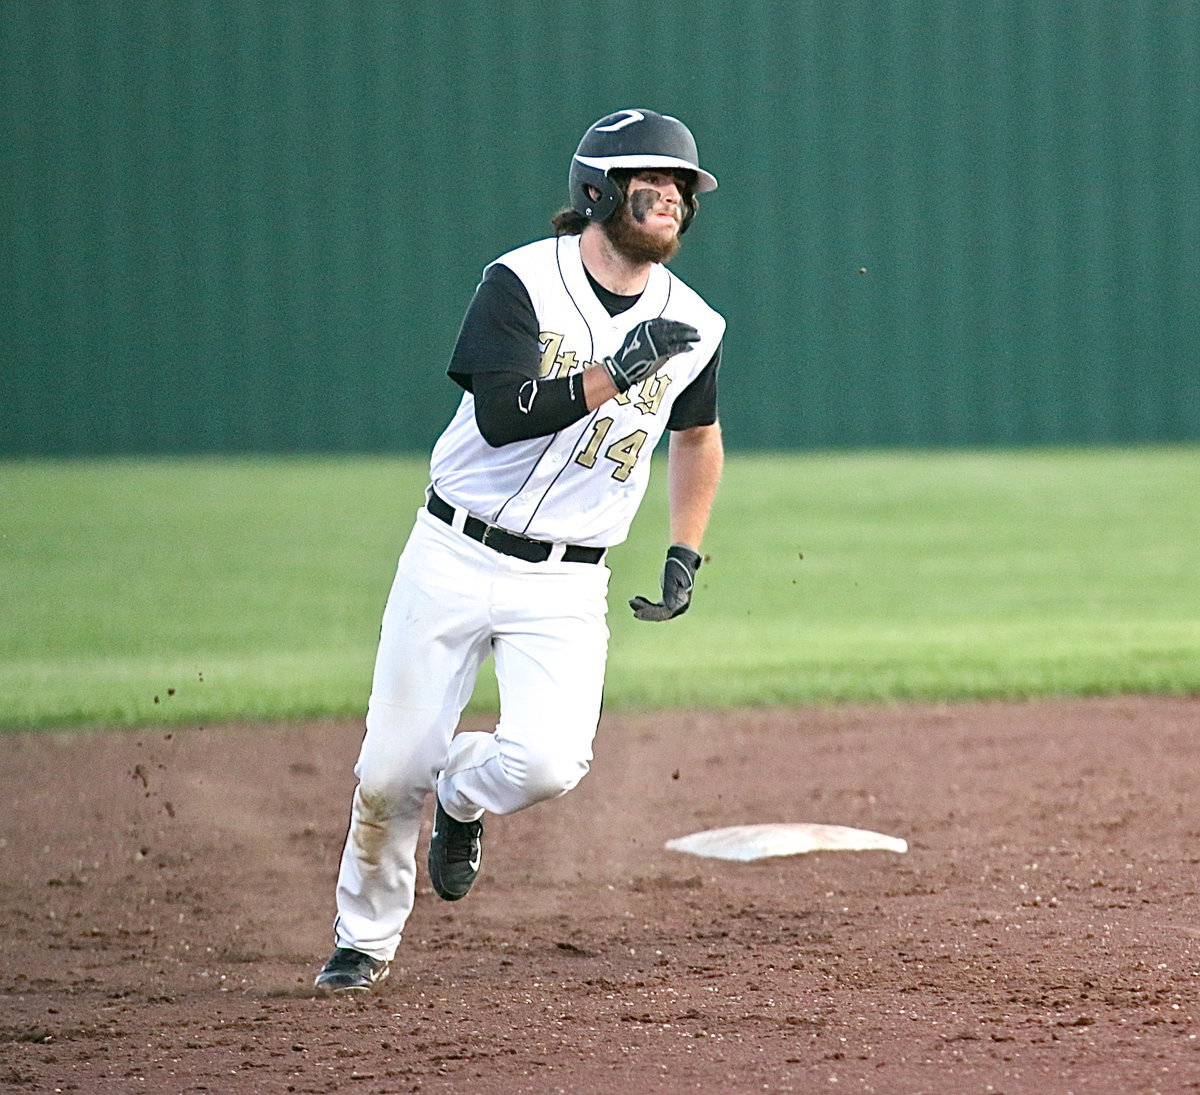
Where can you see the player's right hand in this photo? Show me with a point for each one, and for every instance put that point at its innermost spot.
(649, 346)
(678, 580)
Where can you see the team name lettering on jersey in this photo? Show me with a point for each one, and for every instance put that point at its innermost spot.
(556, 363)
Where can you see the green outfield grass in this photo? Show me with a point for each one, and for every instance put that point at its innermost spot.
(167, 591)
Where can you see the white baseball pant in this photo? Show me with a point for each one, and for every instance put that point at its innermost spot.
(452, 602)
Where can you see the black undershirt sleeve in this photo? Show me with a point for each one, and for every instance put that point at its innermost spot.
(697, 403)
(499, 331)
(511, 407)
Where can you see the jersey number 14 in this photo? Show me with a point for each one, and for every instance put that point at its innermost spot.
(623, 452)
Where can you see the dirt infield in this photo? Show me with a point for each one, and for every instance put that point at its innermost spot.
(166, 900)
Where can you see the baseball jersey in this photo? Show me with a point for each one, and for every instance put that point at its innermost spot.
(581, 484)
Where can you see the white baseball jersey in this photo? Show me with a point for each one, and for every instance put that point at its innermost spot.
(583, 484)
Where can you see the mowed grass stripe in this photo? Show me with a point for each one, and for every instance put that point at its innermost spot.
(252, 588)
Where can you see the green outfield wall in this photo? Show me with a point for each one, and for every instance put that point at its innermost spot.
(234, 226)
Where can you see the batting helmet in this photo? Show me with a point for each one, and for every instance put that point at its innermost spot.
(634, 140)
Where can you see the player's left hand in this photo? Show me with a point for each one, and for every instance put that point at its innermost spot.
(678, 578)
(647, 348)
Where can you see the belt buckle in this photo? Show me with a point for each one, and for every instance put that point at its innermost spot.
(483, 539)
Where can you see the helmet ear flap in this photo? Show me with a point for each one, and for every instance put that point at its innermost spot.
(690, 206)
(609, 194)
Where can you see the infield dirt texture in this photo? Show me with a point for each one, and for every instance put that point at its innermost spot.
(167, 897)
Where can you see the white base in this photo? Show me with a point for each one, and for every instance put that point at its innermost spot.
(747, 842)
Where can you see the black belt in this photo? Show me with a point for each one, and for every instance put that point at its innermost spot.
(510, 543)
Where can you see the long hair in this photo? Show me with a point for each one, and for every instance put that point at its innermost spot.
(569, 222)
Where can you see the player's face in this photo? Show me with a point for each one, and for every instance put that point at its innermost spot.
(646, 227)
(656, 200)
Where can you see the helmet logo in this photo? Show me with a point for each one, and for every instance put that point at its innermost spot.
(630, 117)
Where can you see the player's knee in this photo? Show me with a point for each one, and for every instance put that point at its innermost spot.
(383, 799)
(395, 782)
(557, 776)
(545, 775)
(399, 760)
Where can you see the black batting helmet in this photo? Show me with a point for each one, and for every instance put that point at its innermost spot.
(633, 140)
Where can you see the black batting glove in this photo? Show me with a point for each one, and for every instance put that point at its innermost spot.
(678, 578)
(647, 348)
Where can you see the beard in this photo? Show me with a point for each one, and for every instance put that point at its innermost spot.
(630, 240)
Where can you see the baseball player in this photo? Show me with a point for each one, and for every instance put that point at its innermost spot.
(576, 353)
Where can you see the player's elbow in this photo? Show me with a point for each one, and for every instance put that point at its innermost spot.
(492, 436)
(496, 435)
(497, 423)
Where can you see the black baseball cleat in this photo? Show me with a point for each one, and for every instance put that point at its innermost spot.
(351, 971)
(455, 852)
